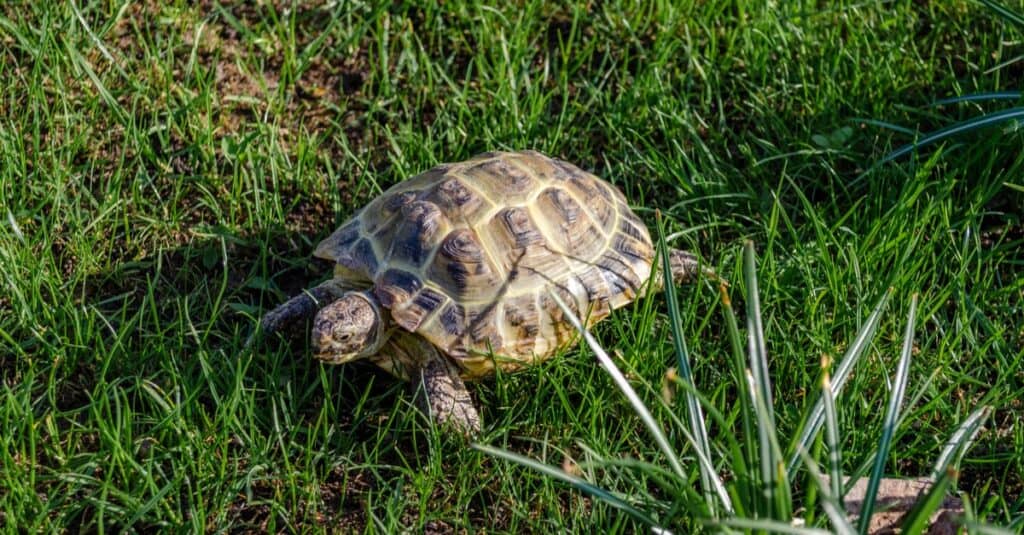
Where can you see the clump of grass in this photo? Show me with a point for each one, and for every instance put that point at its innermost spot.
(748, 483)
(1009, 119)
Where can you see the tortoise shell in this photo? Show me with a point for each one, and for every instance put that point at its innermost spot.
(467, 254)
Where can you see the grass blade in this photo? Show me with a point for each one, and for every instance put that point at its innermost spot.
(846, 364)
(770, 526)
(626, 388)
(698, 426)
(961, 440)
(917, 518)
(755, 330)
(963, 127)
(1006, 13)
(979, 97)
(580, 484)
(892, 414)
(638, 405)
(831, 503)
(832, 438)
(739, 375)
(775, 485)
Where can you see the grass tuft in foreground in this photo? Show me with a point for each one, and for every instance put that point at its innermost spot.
(764, 497)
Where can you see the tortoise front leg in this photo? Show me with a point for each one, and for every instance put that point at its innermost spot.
(444, 397)
(301, 306)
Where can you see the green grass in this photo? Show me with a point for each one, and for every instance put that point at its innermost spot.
(165, 173)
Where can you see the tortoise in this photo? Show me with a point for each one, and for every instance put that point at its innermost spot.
(449, 275)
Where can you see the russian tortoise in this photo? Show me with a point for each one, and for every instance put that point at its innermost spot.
(449, 274)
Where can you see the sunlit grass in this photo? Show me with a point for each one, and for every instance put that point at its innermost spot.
(168, 167)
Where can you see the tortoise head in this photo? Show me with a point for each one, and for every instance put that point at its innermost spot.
(348, 329)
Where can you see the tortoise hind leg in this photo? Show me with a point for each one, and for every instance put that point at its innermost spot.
(686, 267)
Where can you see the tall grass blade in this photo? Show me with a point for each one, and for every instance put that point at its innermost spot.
(626, 388)
(755, 330)
(640, 408)
(917, 519)
(961, 440)
(963, 127)
(775, 485)
(832, 438)
(748, 457)
(892, 414)
(831, 503)
(846, 364)
(698, 427)
(885, 124)
(580, 484)
(769, 526)
(1006, 13)
(979, 97)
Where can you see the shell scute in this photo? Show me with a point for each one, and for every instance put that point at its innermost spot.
(412, 238)
(396, 287)
(501, 178)
(571, 232)
(462, 269)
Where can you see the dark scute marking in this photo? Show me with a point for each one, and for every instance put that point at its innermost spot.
(520, 227)
(568, 209)
(465, 257)
(615, 270)
(396, 286)
(395, 202)
(593, 293)
(632, 249)
(502, 174)
(455, 192)
(618, 284)
(523, 316)
(453, 319)
(420, 223)
(459, 275)
(347, 235)
(461, 246)
(549, 304)
(363, 257)
(595, 193)
(567, 169)
(629, 227)
(428, 300)
(482, 329)
(423, 304)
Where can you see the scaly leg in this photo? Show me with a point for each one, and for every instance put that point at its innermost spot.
(685, 268)
(301, 306)
(445, 398)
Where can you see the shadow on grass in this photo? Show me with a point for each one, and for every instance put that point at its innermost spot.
(176, 323)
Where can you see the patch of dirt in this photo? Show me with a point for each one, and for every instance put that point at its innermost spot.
(340, 504)
(896, 497)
